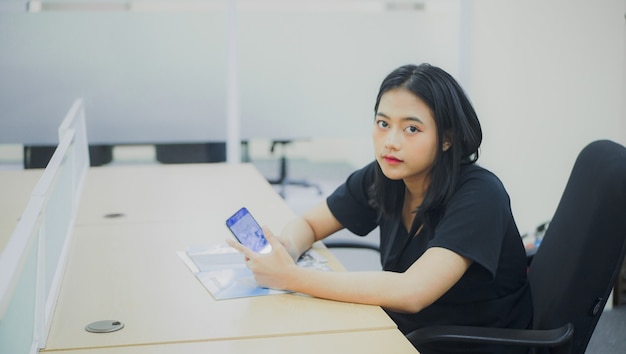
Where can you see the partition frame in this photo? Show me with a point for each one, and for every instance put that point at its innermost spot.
(58, 193)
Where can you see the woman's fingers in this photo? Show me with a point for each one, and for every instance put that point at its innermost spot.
(241, 248)
(270, 237)
(268, 268)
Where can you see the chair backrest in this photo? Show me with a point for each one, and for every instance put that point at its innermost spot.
(576, 265)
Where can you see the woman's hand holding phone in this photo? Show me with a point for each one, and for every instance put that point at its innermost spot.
(273, 269)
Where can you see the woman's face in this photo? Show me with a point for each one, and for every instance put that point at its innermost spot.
(405, 137)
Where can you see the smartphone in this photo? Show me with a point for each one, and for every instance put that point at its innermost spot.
(247, 231)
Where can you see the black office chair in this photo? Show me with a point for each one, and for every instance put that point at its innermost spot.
(283, 179)
(574, 270)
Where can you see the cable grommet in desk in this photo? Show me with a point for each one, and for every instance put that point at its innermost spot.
(105, 326)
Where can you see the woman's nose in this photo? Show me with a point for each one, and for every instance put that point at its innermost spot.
(391, 140)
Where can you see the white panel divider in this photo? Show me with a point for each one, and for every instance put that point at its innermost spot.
(33, 260)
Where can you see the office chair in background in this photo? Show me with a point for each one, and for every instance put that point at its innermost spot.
(574, 269)
(283, 180)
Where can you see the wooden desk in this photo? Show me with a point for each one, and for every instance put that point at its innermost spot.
(178, 193)
(15, 191)
(127, 268)
(363, 342)
(131, 273)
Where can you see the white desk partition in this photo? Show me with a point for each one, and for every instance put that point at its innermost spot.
(20, 305)
(33, 260)
(74, 122)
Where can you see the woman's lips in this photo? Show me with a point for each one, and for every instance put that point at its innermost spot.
(392, 160)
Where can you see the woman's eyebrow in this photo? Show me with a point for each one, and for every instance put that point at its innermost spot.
(410, 118)
(414, 119)
(382, 115)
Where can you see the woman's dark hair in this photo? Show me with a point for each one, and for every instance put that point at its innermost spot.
(456, 121)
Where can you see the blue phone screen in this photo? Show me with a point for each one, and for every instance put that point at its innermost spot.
(247, 231)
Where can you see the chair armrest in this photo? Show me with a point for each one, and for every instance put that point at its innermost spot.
(351, 244)
(503, 336)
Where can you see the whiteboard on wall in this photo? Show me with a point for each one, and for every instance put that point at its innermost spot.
(144, 77)
(161, 76)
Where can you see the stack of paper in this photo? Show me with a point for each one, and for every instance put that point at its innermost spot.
(223, 271)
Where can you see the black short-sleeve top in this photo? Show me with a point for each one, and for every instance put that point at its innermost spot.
(476, 223)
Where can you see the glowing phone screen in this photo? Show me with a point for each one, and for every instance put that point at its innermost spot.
(247, 231)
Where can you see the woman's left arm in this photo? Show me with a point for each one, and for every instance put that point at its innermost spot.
(431, 276)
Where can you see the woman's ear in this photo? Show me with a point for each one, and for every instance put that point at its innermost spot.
(447, 142)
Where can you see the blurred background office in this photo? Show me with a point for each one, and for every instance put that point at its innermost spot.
(546, 77)
(163, 78)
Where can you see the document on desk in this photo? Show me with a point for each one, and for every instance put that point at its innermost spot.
(223, 271)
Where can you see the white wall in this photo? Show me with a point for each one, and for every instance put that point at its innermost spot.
(316, 74)
(546, 78)
(160, 75)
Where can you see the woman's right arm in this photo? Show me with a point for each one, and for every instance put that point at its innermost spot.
(314, 225)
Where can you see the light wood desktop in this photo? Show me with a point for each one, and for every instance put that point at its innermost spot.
(362, 342)
(178, 193)
(126, 268)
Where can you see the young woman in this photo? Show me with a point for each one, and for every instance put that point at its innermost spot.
(450, 250)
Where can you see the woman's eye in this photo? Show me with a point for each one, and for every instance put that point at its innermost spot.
(411, 129)
(382, 124)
